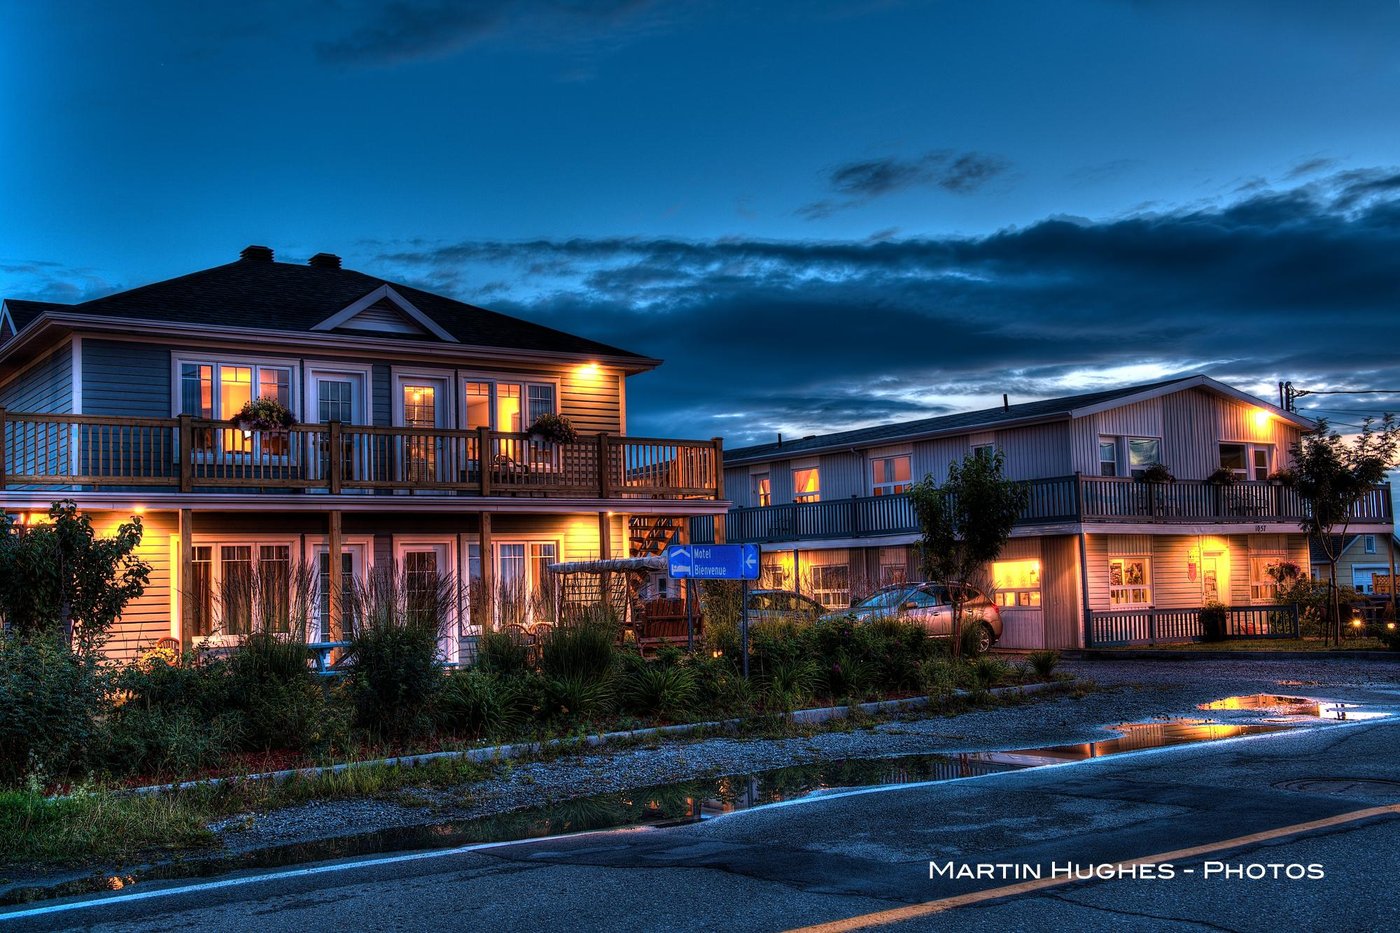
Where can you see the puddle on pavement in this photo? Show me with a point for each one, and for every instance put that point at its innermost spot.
(1294, 709)
(684, 802)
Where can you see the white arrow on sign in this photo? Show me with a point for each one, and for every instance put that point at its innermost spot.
(750, 557)
(680, 561)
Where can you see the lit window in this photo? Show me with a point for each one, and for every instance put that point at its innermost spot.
(889, 475)
(1129, 583)
(478, 405)
(1108, 456)
(831, 585)
(217, 391)
(1017, 583)
(237, 589)
(508, 407)
(806, 485)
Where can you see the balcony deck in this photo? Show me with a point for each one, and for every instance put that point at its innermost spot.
(188, 455)
(1065, 500)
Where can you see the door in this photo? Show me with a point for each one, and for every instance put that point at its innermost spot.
(337, 396)
(428, 589)
(1210, 577)
(424, 406)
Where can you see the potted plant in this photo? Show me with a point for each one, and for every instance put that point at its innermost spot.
(263, 414)
(1284, 477)
(1157, 473)
(1222, 477)
(555, 429)
(1213, 617)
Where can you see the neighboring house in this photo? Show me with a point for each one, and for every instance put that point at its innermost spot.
(409, 447)
(1361, 558)
(1100, 556)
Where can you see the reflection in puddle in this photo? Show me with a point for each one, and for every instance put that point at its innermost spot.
(692, 801)
(1294, 707)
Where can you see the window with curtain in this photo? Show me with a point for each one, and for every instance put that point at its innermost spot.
(806, 485)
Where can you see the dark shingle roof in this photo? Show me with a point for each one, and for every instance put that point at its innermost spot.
(22, 311)
(265, 295)
(988, 418)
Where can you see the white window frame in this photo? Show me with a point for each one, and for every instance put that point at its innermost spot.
(983, 450)
(1368, 544)
(1128, 447)
(1107, 441)
(890, 487)
(1127, 588)
(806, 497)
(1019, 597)
(494, 379)
(361, 544)
(441, 378)
(832, 597)
(401, 545)
(291, 364)
(216, 573)
(472, 542)
(1250, 468)
(364, 404)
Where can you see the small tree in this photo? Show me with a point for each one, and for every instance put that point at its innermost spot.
(60, 577)
(965, 523)
(1332, 476)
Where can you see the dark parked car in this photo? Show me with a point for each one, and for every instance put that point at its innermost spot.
(929, 604)
(783, 604)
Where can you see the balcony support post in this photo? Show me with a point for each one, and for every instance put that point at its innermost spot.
(333, 627)
(485, 462)
(337, 460)
(488, 569)
(186, 454)
(604, 470)
(186, 576)
(605, 546)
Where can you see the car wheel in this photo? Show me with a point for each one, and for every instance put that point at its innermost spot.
(985, 638)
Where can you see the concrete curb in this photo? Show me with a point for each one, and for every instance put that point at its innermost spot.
(520, 749)
(1170, 654)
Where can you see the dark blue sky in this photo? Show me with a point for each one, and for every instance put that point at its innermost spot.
(821, 215)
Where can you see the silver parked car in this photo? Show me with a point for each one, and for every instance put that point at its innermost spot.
(784, 605)
(930, 605)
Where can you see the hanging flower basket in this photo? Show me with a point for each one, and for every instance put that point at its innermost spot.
(1222, 477)
(555, 429)
(1157, 473)
(263, 414)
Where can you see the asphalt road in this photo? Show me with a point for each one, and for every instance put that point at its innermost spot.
(850, 855)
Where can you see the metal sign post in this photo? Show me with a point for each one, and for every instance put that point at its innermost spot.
(690, 562)
(744, 629)
(689, 615)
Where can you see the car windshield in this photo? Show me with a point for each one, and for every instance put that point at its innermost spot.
(885, 599)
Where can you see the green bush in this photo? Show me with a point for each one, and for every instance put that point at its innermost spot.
(1044, 662)
(198, 685)
(478, 704)
(400, 621)
(503, 653)
(50, 700)
(282, 703)
(988, 671)
(168, 740)
(658, 689)
(578, 697)
(1213, 617)
(582, 650)
(720, 689)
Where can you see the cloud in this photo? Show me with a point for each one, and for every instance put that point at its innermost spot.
(862, 181)
(807, 336)
(400, 31)
(43, 280)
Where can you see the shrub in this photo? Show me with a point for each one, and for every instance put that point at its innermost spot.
(477, 703)
(1212, 618)
(720, 689)
(281, 702)
(168, 740)
(574, 697)
(987, 671)
(400, 619)
(504, 653)
(938, 677)
(50, 701)
(1044, 662)
(581, 649)
(789, 682)
(660, 690)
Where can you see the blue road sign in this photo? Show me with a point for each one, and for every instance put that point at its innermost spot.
(713, 561)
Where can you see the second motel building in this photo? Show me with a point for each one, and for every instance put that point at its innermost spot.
(1097, 544)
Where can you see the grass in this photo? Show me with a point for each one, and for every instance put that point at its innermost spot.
(1262, 644)
(110, 825)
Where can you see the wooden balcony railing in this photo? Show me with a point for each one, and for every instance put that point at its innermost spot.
(75, 452)
(1065, 499)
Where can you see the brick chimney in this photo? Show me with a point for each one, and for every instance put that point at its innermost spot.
(324, 261)
(256, 254)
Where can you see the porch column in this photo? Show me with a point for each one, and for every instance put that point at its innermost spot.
(1088, 631)
(605, 553)
(334, 627)
(488, 575)
(186, 578)
(796, 570)
(1390, 547)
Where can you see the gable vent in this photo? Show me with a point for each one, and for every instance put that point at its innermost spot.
(256, 254)
(324, 261)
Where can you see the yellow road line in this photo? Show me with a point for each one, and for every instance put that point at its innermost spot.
(913, 911)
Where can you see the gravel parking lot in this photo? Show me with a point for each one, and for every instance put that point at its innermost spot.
(1125, 691)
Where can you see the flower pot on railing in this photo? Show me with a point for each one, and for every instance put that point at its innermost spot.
(550, 428)
(268, 418)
